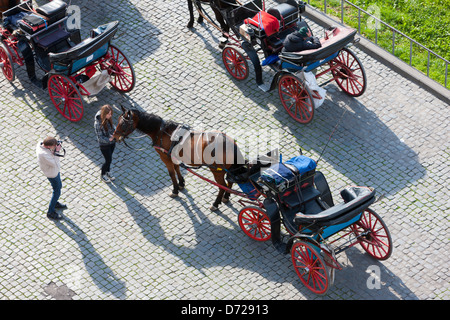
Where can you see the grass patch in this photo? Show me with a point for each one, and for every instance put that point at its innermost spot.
(425, 21)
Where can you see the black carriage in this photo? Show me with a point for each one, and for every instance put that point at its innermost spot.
(73, 67)
(298, 214)
(290, 203)
(260, 41)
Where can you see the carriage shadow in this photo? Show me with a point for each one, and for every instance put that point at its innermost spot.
(379, 159)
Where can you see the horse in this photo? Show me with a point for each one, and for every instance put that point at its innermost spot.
(194, 149)
(216, 6)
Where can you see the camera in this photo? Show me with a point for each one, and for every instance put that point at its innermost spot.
(59, 150)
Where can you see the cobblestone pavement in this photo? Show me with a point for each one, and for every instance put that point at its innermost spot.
(130, 240)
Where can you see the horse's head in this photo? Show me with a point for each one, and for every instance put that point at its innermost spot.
(126, 124)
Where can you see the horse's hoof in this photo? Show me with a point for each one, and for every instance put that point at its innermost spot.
(173, 195)
(213, 208)
(181, 188)
(190, 25)
(225, 200)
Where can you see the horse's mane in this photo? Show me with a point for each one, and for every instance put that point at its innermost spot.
(149, 122)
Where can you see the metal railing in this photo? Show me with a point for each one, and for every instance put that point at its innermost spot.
(378, 24)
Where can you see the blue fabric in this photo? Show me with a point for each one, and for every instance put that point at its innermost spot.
(278, 175)
(249, 189)
(56, 185)
(270, 59)
(302, 163)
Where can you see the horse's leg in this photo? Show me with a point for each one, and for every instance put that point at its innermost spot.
(223, 25)
(226, 197)
(171, 168)
(180, 176)
(191, 14)
(200, 17)
(219, 176)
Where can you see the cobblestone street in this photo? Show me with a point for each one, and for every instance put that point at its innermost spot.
(130, 240)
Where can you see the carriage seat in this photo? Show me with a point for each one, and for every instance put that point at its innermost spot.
(52, 9)
(51, 37)
(339, 38)
(296, 197)
(356, 200)
(88, 46)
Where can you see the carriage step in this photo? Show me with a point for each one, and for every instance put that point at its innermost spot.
(264, 87)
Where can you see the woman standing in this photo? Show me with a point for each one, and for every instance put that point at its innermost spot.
(104, 129)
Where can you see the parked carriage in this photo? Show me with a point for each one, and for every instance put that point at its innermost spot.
(290, 203)
(72, 67)
(251, 37)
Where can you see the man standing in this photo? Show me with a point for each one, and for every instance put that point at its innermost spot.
(48, 159)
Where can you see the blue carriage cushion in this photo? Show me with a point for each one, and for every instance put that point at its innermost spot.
(302, 163)
(249, 189)
(278, 177)
(53, 36)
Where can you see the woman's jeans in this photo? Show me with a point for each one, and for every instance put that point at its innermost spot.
(56, 185)
(107, 152)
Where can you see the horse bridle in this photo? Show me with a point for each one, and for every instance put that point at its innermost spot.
(127, 126)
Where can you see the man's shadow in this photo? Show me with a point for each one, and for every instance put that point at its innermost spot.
(100, 273)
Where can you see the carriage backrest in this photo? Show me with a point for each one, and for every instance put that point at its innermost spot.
(86, 52)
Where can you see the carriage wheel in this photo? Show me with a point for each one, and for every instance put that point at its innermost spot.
(235, 63)
(373, 235)
(255, 223)
(6, 63)
(120, 70)
(66, 97)
(296, 98)
(310, 267)
(349, 73)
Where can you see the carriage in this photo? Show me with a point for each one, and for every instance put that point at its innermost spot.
(72, 67)
(256, 35)
(290, 203)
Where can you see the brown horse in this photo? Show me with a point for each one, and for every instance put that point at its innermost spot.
(192, 148)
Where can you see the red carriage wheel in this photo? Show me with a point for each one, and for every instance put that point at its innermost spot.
(310, 267)
(235, 63)
(296, 98)
(6, 63)
(120, 69)
(349, 73)
(66, 97)
(255, 223)
(373, 235)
